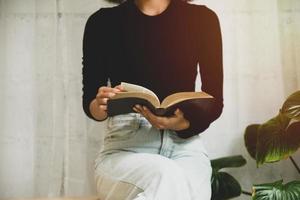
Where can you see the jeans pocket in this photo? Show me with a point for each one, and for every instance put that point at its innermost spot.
(122, 127)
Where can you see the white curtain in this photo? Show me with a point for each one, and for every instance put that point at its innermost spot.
(47, 144)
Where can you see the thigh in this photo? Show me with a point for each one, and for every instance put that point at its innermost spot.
(192, 157)
(131, 166)
(123, 175)
(198, 171)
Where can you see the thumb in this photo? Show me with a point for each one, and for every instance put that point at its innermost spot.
(178, 112)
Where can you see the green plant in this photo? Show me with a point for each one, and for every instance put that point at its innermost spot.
(225, 186)
(275, 140)
(277, 191)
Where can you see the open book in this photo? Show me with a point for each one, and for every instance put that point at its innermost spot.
(123, 102)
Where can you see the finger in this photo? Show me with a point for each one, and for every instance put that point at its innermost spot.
(144, 113)
(104, 89)
(138, 108)
(102, 101)
(141, 111)
(106, 94)
(151, 115)
(103, 107)
(120, 88)
(178, 112)
(166, 122)
(135, 109)
(159, 122)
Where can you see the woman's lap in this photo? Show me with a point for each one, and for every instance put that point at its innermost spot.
(178, 166)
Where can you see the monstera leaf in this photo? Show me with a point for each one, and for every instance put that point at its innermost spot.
(277, 191)
(277, 139)
(251, 139)
(291, 106)
(225, 186)
(274, 140)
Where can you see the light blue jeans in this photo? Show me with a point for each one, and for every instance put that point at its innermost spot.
(140, 162)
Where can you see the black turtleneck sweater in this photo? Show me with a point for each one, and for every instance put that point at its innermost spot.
(159, 52)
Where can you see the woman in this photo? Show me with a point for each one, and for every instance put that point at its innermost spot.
(156, 44)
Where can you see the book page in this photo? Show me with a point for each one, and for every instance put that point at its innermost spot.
(182, 96)
(137, 88)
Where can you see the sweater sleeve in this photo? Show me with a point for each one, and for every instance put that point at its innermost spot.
(94, 72)
(211, 72)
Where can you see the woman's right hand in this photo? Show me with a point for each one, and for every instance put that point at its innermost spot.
(98, 106)
(105, 93)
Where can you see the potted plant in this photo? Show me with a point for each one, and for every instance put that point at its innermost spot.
(275, 140)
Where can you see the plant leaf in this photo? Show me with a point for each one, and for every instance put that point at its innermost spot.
(224, 186)
(277, 139)
(250, 139)
(230, 161)
(277, 191)
(291, 106)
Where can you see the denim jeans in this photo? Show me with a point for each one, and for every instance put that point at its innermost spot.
(139, 162)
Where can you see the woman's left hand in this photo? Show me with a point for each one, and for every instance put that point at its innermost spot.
(175, 122)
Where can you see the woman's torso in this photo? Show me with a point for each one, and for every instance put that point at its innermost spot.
(159, 52)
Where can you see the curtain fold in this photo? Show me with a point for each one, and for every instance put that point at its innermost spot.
(48, 145)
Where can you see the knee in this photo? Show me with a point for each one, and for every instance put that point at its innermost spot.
(166, 168)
